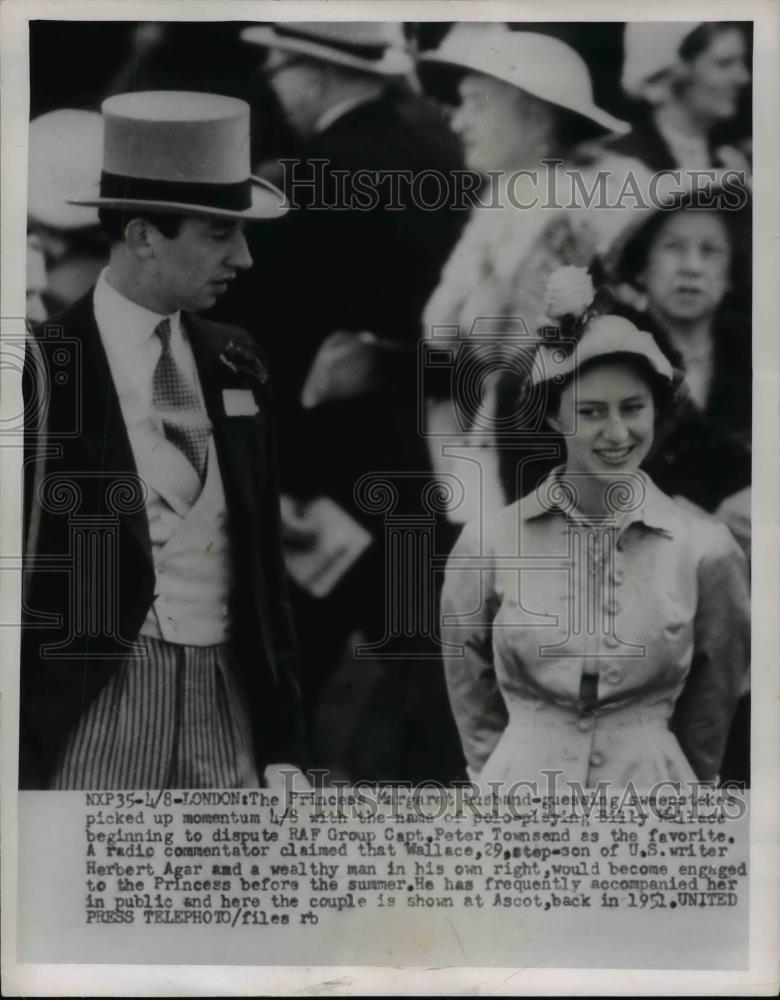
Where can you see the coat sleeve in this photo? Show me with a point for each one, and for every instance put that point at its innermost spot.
(469, 604)
(720, 666)
(287, 744)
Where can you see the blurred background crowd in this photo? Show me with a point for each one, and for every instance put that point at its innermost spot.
(345, 303)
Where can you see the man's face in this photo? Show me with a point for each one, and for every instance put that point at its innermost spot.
(716, 77)
(496, 123)
(191, 270)
(687, 270)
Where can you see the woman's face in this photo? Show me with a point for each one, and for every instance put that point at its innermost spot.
(611, 410)
(498, 125)
(687, 269)
(716, 77)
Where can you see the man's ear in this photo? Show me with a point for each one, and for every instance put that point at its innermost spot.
(139, 238)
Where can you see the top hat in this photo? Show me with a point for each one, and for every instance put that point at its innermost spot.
(372, 46)
(541, 65)
(181, 152)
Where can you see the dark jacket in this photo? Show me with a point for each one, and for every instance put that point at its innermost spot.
(90, 494)
(325, 269)
(645, 143)
(707, 455)
(321, 269)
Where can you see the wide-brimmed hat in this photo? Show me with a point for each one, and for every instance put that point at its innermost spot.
(64, 157)
(651, 49)
(372, 46)
(182, 152)
(604, 336)
(538, 64)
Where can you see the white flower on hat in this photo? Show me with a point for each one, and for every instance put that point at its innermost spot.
(569, 292)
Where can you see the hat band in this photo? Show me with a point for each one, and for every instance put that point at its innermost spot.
(363, 50)
(236, 197)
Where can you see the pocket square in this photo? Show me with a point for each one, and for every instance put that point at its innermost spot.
(239, 403)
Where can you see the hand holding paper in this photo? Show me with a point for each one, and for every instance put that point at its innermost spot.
(346, 365)
(322, 541)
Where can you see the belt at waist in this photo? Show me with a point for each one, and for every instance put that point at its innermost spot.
(541, 714)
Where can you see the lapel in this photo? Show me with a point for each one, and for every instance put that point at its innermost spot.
(241, 445)
(103, 440)
(238, 441)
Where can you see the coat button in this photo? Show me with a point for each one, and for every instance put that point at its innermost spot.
(585, 724)
(614, 675)
(612, 641)
(596, 759)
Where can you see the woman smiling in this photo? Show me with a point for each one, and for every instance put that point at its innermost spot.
(596, 629)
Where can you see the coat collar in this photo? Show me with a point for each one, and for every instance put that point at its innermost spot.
(238, 443)
(104, 436)
(654, 510)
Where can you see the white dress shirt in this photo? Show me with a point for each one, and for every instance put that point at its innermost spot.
(133, 350)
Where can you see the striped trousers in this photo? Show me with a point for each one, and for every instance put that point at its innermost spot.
(172, 716)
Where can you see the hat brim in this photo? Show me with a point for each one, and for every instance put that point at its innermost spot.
(268, 202)
(393, 63)
(445, 73)
(547, 367)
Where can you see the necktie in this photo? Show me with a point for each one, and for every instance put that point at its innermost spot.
(184, 422)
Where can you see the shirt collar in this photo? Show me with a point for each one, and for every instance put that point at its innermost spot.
(118, 316)
(655, 510)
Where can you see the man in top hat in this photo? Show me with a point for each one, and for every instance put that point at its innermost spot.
(157, 650)
(351, 278)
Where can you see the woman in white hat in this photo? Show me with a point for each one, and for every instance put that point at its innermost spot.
(596, 629)
(523, 98)
(688, 77)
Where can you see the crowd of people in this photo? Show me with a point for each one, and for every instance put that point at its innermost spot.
(439, 186)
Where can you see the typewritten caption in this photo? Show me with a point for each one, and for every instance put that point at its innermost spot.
(255, 859)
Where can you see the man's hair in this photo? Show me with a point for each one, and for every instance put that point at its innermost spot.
(114, 221)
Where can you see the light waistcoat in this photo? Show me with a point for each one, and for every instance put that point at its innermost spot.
(190, 550)
(187, 522)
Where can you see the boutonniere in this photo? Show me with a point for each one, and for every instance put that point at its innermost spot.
(245, 363)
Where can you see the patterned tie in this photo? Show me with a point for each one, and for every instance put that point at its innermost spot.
(185, 424)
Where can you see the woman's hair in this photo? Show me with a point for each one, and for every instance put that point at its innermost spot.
(666, 394)
(115, 220)
(670, 399)
(633, 257)
(702, 37)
